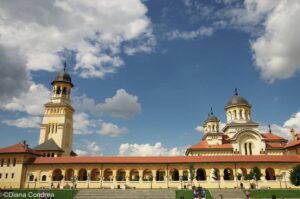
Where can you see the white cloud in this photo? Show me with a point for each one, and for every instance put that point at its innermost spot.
(95, 30)
(276, 129)
(31, 102)
(149, 150)
(111, 130)
(293, 122)
(284, 130)
(276, 51)
(89, 148)
(199, 128)
(122, 105)
(187, 35)
(25, 122)
(83, 124)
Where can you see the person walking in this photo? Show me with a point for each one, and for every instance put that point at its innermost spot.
(248, 194)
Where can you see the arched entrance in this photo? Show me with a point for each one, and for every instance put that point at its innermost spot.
(200, 174)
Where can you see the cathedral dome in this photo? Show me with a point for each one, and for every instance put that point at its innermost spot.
(63, 76)
(237, 100)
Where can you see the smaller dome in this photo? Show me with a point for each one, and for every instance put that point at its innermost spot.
(63, 76)
(211, 117)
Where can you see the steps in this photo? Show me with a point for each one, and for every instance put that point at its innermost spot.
(126, 194)
(227, 193)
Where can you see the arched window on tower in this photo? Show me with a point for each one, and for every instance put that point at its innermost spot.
(241, 114)
(246, 151)
(234, 112)
(58, 91)
(229, 115)
(64, 91)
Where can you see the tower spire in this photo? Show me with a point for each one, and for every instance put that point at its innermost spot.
(211, 111)
(65, 65)
(270, 130)
(236, 92)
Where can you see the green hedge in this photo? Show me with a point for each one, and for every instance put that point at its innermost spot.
(188, 194)
(287, 193)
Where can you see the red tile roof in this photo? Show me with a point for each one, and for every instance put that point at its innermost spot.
(204, 145)
(166, 159)
(17, 148)
(274, 145)
(293, 143)
(271, 136)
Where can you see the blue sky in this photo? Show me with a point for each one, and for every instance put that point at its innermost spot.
(147, 72)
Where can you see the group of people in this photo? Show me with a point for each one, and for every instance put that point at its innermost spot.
(199, 193)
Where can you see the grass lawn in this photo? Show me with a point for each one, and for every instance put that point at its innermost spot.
(188, 194)
(288, 193)
(31, 193)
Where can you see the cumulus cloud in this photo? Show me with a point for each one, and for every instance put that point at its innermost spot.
(24, 122)
(276, 129)
(31, 102)
(293, 122)
(149, 150)
(276, 51)
(284, 130)
(95, 31)
(14, 78)
(89, 148)
(111, 130)
(83, 124)
(187, 35)
(122, 105)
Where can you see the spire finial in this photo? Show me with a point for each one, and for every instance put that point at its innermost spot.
(270, 130)
(236, 92)
(65, 65)
(211, 111)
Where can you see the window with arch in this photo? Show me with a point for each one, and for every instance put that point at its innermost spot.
(44, 178)
(229, 115)
(200, 174)
(31, 177)
(64, 91)
(14, 162)
(234, 113)
(241, 114)
(58, 91)
(248, 148)
(2, 162)
(8, 162)
(12, 176)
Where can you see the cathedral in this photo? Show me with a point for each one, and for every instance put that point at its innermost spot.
(221, 159)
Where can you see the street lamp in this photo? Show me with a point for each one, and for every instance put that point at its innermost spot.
(35, 183)
(73, 178)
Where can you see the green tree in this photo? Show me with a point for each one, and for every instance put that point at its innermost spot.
(192, 172)
(255, 174)
(295, 175)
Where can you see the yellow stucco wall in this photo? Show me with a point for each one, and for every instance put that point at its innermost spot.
(39, 170)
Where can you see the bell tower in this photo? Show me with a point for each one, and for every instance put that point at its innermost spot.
(56, 132)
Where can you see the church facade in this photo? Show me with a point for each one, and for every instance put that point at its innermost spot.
(222, 159)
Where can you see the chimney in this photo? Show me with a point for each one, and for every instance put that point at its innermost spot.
(293, 136)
